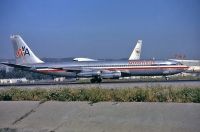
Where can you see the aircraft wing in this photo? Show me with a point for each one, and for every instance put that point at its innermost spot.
(80, 71)
(69, 69)
(88, 70)
(15, 65)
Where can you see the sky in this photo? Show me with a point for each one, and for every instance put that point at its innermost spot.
(102, 29)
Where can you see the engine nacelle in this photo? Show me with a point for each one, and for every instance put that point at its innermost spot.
(101, 74)
(111, 75)
(88, 74)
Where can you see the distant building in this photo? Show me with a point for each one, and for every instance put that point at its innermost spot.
(59, 79)
(13, 80)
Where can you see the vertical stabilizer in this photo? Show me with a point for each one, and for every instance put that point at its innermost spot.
(135, 55)
(23, 53)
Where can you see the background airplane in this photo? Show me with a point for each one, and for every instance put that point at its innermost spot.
(96, 70)
(194, 65)
(135, 55)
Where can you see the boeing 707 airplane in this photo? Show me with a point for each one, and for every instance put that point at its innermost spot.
(96, 70)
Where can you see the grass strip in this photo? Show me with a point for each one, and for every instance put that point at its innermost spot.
(136, 94)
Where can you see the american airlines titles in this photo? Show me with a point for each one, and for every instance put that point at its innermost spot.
(141, 62)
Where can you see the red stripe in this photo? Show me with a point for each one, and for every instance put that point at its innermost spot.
(146, 68)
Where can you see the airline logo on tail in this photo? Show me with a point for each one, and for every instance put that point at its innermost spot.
(137, 51)
(23, 51)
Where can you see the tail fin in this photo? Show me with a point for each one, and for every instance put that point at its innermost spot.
(135, 55)
(23, 53)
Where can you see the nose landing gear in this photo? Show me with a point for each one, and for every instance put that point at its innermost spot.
(166, 77)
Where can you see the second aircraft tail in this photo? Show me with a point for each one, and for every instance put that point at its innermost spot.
(135, 55)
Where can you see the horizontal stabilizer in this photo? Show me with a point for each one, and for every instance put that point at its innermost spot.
(84, 59)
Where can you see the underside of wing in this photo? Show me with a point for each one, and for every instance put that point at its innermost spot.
(69, 69)
(15, 65)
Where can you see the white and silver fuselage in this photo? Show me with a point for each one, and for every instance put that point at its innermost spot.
(124, 68)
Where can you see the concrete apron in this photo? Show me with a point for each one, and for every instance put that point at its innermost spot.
(52, 116)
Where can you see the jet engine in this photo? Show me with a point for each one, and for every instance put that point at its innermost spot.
(89, 74)
(110, 74)
(102, 74)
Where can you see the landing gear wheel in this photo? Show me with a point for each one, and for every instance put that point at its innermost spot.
(99, 80)
(96, 80)
(92, 80)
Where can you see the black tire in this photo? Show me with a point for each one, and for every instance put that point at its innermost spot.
(99, 80)
(166, 78)
(96, 80)
(92, 80)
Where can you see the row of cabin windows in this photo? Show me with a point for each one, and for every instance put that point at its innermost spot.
(123, 65)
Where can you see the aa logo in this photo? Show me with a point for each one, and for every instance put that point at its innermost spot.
(23, 51)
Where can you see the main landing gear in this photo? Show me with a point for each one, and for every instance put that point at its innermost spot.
(96, 80)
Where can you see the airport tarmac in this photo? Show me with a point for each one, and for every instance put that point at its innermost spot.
(115, 84)
(52, 116)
